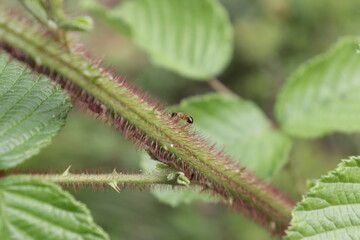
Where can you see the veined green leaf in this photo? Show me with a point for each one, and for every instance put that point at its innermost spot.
(34, 209)
(31, 111)
(322, 96)
(330, 211)
(242, 129)
(193, 38)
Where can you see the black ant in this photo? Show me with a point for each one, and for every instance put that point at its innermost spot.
(183, 116)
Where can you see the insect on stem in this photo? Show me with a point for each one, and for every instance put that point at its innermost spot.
(183, 116)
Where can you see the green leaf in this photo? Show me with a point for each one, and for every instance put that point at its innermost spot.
(322, 96)
(193, 38)
(242, 129)
(35, 209)
(177, 195)
(31, 111)
(331, 209)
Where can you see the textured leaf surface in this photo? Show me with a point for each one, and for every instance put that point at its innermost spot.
(31, 111)
(331, 210)
(242, 129)
(33, 209)
(193, 38)
(322, 96)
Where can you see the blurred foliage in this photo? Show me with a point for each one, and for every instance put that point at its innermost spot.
(321, 96)
(272, 38)
(192, 38)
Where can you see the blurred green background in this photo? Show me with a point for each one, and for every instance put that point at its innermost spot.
(272, 37)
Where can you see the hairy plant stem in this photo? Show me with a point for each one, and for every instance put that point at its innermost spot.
(97, 178)
(153, 129)
(105, 178)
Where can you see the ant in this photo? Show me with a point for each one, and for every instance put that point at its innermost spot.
(183, 116)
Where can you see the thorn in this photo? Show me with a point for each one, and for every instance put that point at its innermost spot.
(114, 172)
(66, 172)
(114, 186)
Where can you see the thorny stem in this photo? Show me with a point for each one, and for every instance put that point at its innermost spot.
(144, 123)
(105, 178)
(218, 86)
(164, 177)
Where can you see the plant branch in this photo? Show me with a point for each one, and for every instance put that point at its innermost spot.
(164, 177)
(219, 86)
(146, 123)
(105, 178)
(112, 179)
